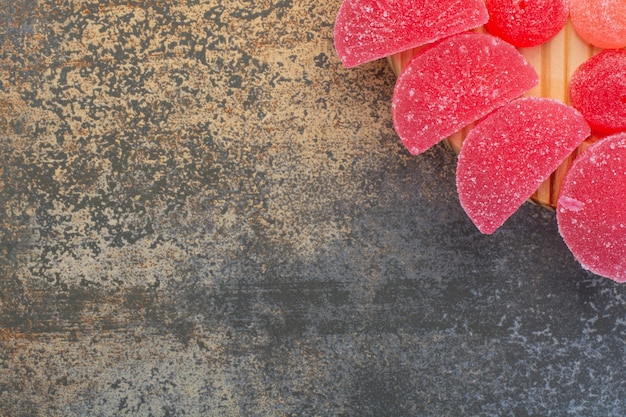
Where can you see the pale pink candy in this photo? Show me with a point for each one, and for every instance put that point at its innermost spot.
(591, 210)
(454, 83)
(366, 30)
(507, 156)
(600, 22)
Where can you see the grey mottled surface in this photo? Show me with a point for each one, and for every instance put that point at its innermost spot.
(203, 214)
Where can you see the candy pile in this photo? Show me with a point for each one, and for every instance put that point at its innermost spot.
(477, 75)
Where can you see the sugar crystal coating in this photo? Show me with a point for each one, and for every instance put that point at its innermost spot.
(591, 211)
(366, 30)
(598, 90)
(510, 153)
(526, 23)
(600, 22)
(454, 83)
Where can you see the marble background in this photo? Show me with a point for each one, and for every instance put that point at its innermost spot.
(203, 214)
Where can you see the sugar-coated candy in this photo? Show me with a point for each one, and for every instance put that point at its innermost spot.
(526, 23)
(454, 83)
(600, 22)
(506, 156)
(598, 90)
(591, 212)
(366, 30)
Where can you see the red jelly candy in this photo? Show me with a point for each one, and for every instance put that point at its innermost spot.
(600, 22)
(454, 83)
(598, 90)
(510, 153)
(366, 30)
(526, 23)
(591, 210)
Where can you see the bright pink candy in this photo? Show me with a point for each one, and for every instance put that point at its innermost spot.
(598, 90)
(591, 210)
(600, 22)
(507, 156)
(526, 23)
(366, 30)
(454, 83)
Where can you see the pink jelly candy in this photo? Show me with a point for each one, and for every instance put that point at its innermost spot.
(454, 83)
(591, 211)
(598, 90)
(366, 30)
(526, 23)
(600, 22)
(507, 156)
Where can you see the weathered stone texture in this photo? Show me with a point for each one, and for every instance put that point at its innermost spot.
(202, 213)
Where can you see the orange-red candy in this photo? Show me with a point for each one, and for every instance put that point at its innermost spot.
(600, 22)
